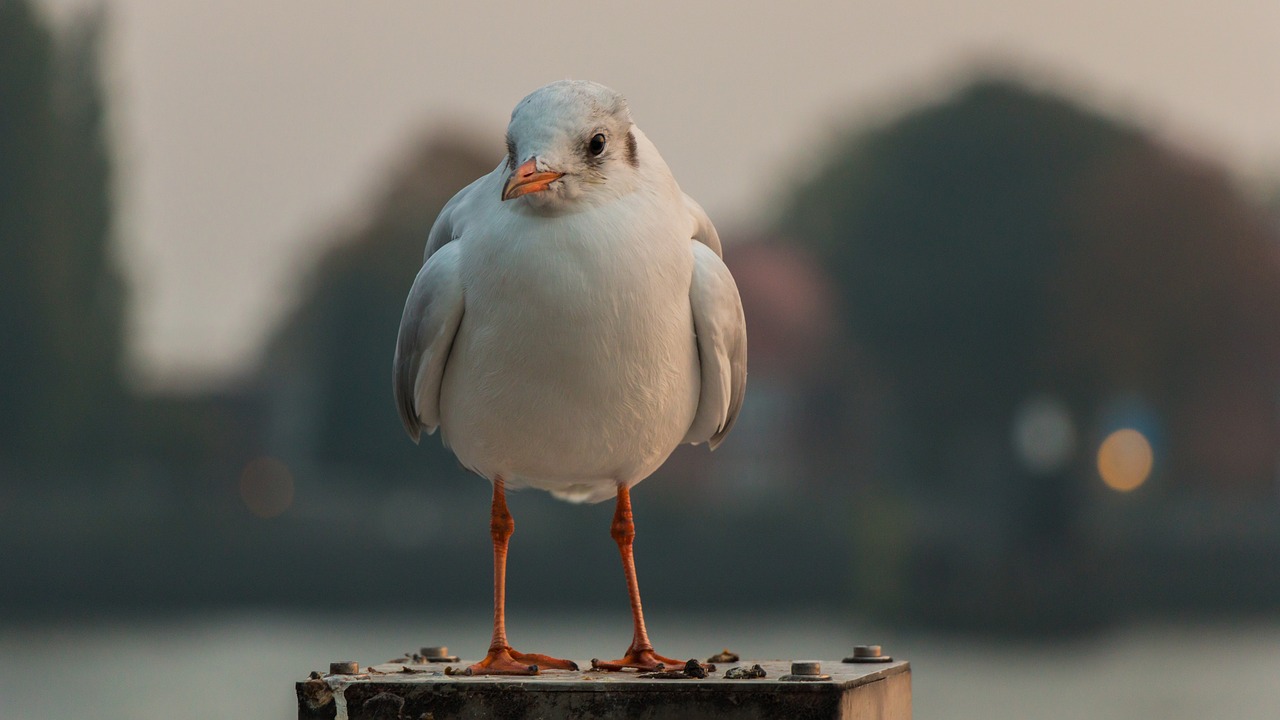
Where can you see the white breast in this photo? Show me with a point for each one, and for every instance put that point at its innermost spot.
(575, 366)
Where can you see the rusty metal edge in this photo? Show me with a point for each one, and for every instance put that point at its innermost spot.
(631, 684)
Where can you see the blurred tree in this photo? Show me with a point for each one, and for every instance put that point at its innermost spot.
(328, 370)
(943, 230)
(1006, 245)
(61, 297)
(1169, 291)
(25, 123)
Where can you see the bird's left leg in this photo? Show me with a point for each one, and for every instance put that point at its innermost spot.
(502, 659)
(640, 655)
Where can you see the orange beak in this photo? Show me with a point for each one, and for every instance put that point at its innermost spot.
(526, 179)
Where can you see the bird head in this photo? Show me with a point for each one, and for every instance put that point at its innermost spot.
(570, 142)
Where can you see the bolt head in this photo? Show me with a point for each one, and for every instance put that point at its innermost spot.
(867, 654)
(806, 667)
(346, 667)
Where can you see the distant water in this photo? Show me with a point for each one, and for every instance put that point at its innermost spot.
(244, 666)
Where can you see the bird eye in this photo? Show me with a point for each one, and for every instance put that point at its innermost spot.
(597, 144)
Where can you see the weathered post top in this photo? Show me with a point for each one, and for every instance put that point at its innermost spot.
(865, 685)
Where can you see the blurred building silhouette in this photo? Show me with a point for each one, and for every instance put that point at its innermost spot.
(326, 374)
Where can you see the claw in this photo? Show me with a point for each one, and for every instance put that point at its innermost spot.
(543, 661)
(500, 662)
(638, 659)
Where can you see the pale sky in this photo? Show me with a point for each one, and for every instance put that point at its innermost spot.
(246, 130)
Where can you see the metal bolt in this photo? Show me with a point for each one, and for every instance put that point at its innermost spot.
(805, 670)
(347, 667)
(437, 653)
(807, 667)
(867, 654)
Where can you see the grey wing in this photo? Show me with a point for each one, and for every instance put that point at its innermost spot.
(721, 333)
(432, 315)
(447, 226)
(703, 231)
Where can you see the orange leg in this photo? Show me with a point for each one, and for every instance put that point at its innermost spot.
(502, 659)
(640, 655)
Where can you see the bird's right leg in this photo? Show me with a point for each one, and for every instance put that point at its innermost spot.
(502, 659)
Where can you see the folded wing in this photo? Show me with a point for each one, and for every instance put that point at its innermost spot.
(428, 326)
(722, 345)
(703, 231)
(449, 223)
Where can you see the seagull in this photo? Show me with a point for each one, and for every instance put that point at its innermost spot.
(571, 325)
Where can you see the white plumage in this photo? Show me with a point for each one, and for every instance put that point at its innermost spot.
(569, 332)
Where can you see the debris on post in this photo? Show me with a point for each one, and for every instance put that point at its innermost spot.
(412, 688)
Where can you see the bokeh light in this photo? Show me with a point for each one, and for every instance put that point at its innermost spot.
(1125, 459)
(266, 486)
(1043, 434)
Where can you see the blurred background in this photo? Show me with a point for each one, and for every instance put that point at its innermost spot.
(1011, 274)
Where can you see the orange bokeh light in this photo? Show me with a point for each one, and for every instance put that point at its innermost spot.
(1125, 459)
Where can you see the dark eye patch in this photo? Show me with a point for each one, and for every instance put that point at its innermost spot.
(632, 157)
